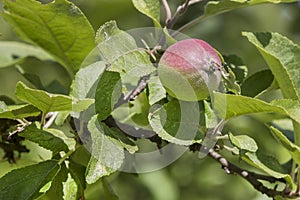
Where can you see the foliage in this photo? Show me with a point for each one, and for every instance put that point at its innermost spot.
(116, 100)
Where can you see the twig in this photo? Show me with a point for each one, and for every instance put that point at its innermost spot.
(20, 127)
(140, 87)
(167, 10)
(180, 10)
(51, 120)
(142, 84)
(251, 177)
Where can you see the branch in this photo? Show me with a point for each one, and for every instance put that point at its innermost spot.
(251, 177)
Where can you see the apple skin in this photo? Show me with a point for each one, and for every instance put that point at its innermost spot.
(190, 70)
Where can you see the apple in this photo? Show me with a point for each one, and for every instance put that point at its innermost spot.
(190, 70)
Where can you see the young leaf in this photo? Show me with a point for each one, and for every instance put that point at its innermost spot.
(121, 53)
(17, 111)
(243, 142)
(283, 58)
(227, 106)
(108, 92)
(44, 139)
(156, 91)
(107, 152)
(63, 30)
(151, 8)
(176, 122)
(257, 83)
(47, 102)
(25, 183)
(13, 52)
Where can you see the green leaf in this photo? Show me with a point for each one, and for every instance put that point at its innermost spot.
(108, 93)
(78, 174)
(44, 139)
(86, 80)
(121, 53)
(67, 139)
(47, 102)
(14, 52)
(107, 152)
(283, 58)
(253, 160)
(230, 82)
(156, 90)
(243, 142)
(17, 111)
(211, 119)
(134, 113)
(257, 83)
(150, 8)
(63, 30)
(25, 183)
(291, 107)
(293, 149)
(228, 106)
(56, 189)
(176, 122)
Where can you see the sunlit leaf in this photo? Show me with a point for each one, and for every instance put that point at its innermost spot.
(151, 8)
(283, 58)
(156, 91)
(47, 102)
(253, 160)
(121, 53)
(243, 142)
(59, 27)
(228, 106)
(176, 122)
(17, 111)
(56, 189)
(293, 149)
(107, 152)
(44, 139)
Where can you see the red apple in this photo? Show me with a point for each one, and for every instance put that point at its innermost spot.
(190, 70)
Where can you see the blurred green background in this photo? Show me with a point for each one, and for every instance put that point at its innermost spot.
(189, 177)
